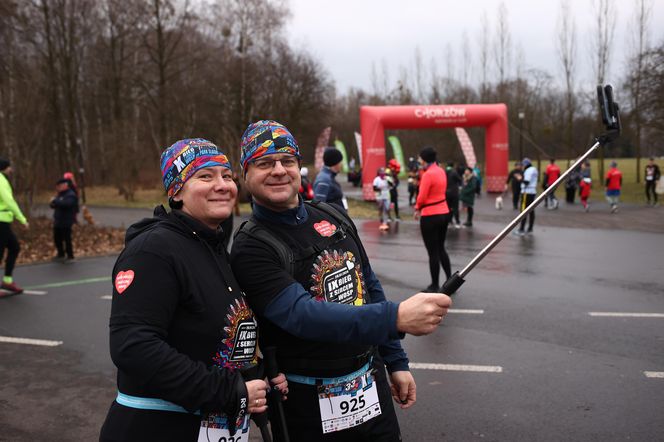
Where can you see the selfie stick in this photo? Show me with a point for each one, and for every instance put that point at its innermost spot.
(611, 118)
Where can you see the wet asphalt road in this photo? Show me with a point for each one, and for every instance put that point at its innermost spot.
(557, 372)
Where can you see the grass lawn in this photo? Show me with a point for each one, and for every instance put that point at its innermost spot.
(632, 192)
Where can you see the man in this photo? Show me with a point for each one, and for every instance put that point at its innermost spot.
(652, 176)
(613, 183)
(326, 188)
(324, 310)
(528, 193)
(65, 205)
(551, 174)
(515, 177)
(381, 186)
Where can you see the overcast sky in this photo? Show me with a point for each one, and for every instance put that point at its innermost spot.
(347, 36)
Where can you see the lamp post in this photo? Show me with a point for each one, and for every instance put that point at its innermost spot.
(81, 174)
(522, 115)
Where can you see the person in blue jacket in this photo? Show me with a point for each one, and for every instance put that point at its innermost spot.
(65, 205)
(326, 188)
(327, 315)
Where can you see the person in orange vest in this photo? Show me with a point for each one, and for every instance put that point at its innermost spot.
(551, 174)
(613, 184)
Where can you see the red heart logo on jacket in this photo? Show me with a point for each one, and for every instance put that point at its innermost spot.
(123, 280)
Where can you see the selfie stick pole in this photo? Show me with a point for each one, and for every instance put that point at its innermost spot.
(457, 279)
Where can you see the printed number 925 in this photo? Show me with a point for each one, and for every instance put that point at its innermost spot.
(352, 405)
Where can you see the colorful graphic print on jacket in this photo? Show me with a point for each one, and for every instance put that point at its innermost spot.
(337, 277)
(239, 347)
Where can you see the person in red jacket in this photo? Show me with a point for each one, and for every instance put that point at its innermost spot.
(613, 184)
(551, 174)
(434, 215)
(584, 191)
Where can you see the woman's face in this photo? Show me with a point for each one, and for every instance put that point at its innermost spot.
(209, 195)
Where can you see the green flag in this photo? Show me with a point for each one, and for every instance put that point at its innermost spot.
(341, 148)
(398, 154)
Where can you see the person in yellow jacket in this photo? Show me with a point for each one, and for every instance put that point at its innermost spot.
(9, 211)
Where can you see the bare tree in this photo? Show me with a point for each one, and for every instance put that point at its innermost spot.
(418, 75)
(566, 48)
(639, 42)
(601, 39)
(164, 30)
(483, 55)
(502, 50)
(466, 59)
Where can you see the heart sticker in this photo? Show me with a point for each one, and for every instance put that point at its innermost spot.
(123, 280)
(350, 265)
(325, 228)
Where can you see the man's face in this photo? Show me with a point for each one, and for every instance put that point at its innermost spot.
(274, 181)
(61, 187)
(336, 168)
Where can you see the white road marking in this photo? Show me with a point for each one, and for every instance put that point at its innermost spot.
(654, 374)
(28, 341)
(457, 367)
(107, 297)
(466, 311)
(627, 315)
(34, 292)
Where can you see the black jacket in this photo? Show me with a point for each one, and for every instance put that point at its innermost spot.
(66, 207)
(177, 325)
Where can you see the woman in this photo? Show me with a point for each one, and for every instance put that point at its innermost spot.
(180, 330)
(434, 215)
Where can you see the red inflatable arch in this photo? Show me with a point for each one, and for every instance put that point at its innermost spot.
(375, 119)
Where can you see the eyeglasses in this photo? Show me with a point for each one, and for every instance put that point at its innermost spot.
(267, 163)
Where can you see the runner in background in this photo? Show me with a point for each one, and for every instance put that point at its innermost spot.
(652, 175)
(382, 188)
(585, 187)
(9, 211)
(528, 194)
(613, 183)
(551, 174)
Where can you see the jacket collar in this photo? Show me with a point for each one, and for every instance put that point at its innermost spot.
(292, 217)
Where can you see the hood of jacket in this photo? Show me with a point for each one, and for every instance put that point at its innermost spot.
(176, 221)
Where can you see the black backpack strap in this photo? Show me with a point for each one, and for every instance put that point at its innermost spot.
(256, 230)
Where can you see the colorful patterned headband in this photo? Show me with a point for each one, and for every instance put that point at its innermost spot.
(266, 137)
(180, 161)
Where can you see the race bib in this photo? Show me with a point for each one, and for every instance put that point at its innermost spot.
(214, 428)
(348, 404)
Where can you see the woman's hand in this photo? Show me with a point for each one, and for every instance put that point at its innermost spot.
(257, 396)
(417, 214)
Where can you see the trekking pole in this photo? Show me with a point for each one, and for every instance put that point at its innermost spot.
(250, 373)
(611, 118)
(271, 369)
